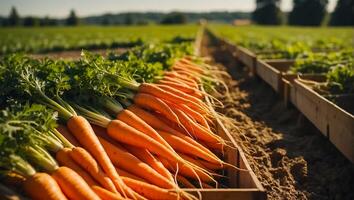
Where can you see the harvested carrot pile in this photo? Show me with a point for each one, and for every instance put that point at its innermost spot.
(139, 125)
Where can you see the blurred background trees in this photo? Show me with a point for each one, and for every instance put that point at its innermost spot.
(308, 12)
(267, 12)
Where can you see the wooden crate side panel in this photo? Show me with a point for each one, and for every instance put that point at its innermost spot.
(312, 106)
(247, 58)
(229, 194)
(269, 74)
(341, 130)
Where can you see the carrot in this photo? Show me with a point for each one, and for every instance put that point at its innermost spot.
(63, 130)
(150, 102)
(210, 166)
(195, 129)
(150, 191)
(83, 132)
(194, 115)
(157, 124)
(177, 97)
(188, 78)
(126, 134)
(105, 194)
(185, 182)
(73, 186)
(89, 164)
(125, 160)
(187, 97)
(124, 173)
(182, 87)
(145, 156)
(42, 186)
(136, 122)
(192, 160)
(64, 159)
(181, 145)
(186, 171)
(191, 85)
(188, 67)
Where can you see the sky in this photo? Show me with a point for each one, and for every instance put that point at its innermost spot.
(60, 8)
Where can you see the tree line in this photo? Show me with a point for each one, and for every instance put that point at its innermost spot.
(267, 12)
(304, 13)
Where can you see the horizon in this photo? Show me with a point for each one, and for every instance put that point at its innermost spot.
(85, 8)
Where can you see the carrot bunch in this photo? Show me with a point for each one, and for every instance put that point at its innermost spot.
(122, 135)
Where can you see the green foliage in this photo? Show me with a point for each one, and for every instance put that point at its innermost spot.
(341, 79)
(308, 12)
(14, 18)
(72, 20)
(174, 18)
(321, 63)
(37, 40)
(267, 12)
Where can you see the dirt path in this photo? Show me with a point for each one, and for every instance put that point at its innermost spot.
(287, 153)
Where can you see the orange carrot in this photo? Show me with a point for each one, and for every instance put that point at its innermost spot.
(73, 186)
(150, 191)
(150, 102)
(177, 97)
(64, 159)
(182, 87)
(63, 130)
(136, 122)
(83, 132)
(157, 124)
(89, 164)
(193, 115)
(181, 145)
(42, 186)
(195, 129)
(187, 78)
(125, 160)
(186, 184)
(105, 194)
(145, 156)
(186, 171)
(124, 173)
(210, 166)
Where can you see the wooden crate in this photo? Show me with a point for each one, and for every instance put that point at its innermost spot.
(243, 184)
(333, 121)
(271, 71)
(247, 57)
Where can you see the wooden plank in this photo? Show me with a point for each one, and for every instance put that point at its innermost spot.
(334, 122)
(269, 74)
(247, 58)
(229, 194)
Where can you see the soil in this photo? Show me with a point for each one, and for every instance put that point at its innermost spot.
(289, 156)
(75, 54)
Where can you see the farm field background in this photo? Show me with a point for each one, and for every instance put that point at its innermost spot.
(40, 40)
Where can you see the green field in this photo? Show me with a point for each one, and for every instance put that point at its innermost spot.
(268, 38)
(87, 37)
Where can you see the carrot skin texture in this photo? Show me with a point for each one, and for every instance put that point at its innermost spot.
(73, 186)
(149, 191)
(151, 102)
(136, 122)
(66, 133)
(124, 173)
(89, 164)
(145, 156)
(83, 132)
(42, 186)
(64, 159)
(125, 160)
(105, 194)
(126, 134)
